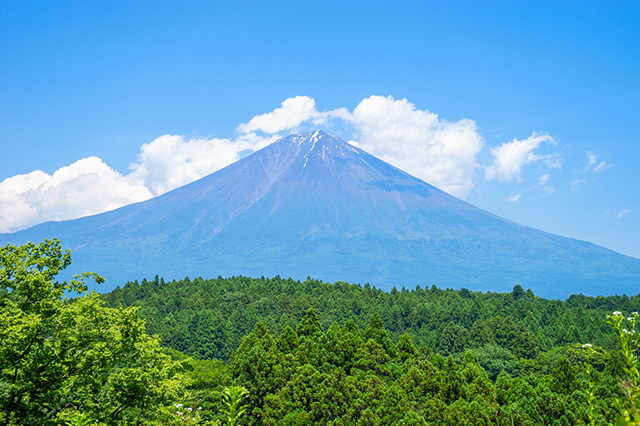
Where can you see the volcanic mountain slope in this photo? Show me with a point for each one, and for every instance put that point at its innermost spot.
(311, 204)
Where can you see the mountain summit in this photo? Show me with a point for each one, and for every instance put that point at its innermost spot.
(311, 204)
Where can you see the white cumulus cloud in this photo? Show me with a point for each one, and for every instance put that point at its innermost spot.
(510, 157)
(514, 198)
(171, 161)
(292, 112)
(85, 187)
(438, 151)
(89, 186)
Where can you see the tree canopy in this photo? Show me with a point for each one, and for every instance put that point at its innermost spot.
(60, 355)
(298, 353)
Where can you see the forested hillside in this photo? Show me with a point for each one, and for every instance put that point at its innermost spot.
(339, 354)
(208, 318)
(305, 353)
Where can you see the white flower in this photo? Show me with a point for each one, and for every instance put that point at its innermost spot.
(587, 345)
(617, 313)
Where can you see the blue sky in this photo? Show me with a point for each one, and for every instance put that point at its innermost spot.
(536, 105)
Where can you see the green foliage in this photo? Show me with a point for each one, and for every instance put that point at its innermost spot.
(72, 360)
(341, 377)
(76, 418)
(304, 353)
(233, 399)
(363, 356)
(628, 407)
(208, 318)
(518, 292)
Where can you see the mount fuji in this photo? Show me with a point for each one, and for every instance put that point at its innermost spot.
(314, 205)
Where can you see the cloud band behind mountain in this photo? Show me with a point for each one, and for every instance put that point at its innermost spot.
(443, 153)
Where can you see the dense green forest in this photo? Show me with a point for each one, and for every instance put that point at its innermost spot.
(319, 353)
(243, 351)
(208, 318)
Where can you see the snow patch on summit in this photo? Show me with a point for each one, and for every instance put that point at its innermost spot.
(329, 145)
(314, 139)
(306, 158)
(324, 151)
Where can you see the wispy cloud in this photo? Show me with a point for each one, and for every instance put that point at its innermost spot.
(622, 213)
(593, 166)
(510, 157)
(543, 179)
(514, 198)
(543, 182)
(618, 214)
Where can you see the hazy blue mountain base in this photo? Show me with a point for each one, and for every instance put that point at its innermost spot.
(313, 205)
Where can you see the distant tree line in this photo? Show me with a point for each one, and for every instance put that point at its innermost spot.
(207, 318)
